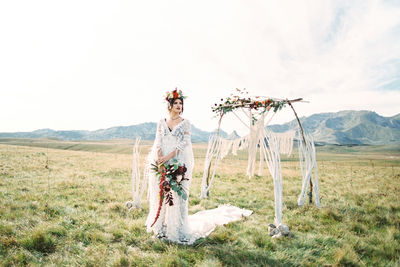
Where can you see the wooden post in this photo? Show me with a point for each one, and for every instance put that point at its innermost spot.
(208, 177)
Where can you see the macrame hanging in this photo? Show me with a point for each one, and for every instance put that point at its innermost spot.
(271, 146)
(308, 166)
(221, 147)
(213, 153)
(272, 158)
(139, 183)
(308, 163)
(255, 138)
(226, 146)
(286, 142)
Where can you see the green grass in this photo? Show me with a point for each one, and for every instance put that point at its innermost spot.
(73, 213)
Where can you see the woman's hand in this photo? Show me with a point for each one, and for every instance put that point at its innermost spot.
(161, 168)
(162, 160)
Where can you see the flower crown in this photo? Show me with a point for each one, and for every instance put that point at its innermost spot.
(174, 94)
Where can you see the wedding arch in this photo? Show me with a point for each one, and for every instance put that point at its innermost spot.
(259, 111)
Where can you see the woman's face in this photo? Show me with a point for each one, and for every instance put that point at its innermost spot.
(177, 106)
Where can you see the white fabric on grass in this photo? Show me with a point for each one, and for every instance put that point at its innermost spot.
(203, 223)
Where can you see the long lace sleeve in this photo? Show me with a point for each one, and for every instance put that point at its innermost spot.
(184, 137)
(158, 139)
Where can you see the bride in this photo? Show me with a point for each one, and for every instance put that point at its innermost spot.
(173, 144)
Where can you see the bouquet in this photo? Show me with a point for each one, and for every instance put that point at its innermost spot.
(170, 178)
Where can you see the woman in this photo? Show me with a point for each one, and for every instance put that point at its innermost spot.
(172, 142)
(172, 222)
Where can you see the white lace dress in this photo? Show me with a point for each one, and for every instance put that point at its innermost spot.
(174, 223)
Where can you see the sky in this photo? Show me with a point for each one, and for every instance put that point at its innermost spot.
(88, 65)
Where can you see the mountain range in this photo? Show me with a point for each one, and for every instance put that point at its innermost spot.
(343, 128)
(348, 127)
(145, 130)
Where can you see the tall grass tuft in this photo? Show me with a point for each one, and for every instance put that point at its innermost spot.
(40, 241)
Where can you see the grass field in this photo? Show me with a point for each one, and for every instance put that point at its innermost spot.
(73, 212)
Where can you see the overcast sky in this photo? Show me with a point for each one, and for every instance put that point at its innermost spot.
(96, 64)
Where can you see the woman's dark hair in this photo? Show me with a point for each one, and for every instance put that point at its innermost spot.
(171, 103)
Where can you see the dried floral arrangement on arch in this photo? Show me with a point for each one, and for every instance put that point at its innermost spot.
(258, 104)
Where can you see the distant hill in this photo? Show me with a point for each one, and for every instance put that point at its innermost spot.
(348, 127)
(145, 130)
(342, 128)
(233, 135)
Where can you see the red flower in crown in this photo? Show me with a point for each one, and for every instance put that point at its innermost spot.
(174, 94)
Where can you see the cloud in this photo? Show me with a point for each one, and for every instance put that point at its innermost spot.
(90, 65)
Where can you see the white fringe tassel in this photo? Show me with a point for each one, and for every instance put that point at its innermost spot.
(308, 164)
(138, 183)
(218, 148)
(273, 160)
(286, 142)
(213, 151)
